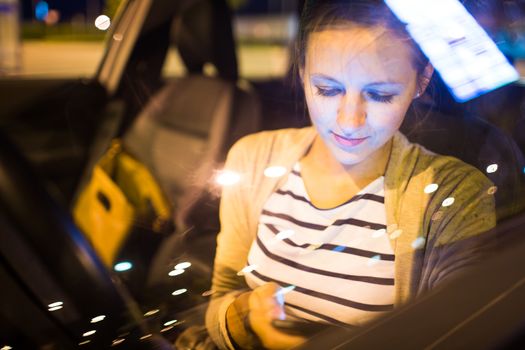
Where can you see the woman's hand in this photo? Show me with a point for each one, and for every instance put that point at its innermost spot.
(265, 305)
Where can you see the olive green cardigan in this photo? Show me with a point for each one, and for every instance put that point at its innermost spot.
(424, 233)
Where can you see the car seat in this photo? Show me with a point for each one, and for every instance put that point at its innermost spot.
(186, 128)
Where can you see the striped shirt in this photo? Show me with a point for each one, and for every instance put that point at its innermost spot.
(337, 263)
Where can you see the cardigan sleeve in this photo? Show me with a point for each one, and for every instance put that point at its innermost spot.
(233, 244)
(458, 221)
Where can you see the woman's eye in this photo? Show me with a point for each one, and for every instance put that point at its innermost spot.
(379, 97)
(327, 91)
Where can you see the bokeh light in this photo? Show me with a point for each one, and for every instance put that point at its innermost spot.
(102, 22)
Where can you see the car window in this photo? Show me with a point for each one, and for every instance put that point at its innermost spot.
(134, 134)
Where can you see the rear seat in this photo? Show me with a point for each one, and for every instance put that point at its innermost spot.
(186, 128)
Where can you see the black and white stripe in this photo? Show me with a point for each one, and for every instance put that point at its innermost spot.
(340, 260)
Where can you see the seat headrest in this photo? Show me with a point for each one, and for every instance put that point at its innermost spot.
(203, 34)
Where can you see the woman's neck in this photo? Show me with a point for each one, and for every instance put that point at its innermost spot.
(323, 161)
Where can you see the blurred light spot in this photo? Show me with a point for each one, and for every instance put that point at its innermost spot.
(378, 233)
(418, 243)
(373, 260)
(285, 234)
(437, 215)
(169, 323)
(396, 234)
(165, 329)
(81, 343)
(210, 70)
(118, 37)
(448, 202)
(274, 171)
(179, 291)
(492, 168)
(208, 293)
(117, 341)
(87, 334)
(313, 246)
(492, 190)
(182, 265)
(98, 318)
(175, 272)
(41, 12)
(123, 266)
(286, 290)
(6, 347)
(55, 304)
(151, 312)
(55, 308)
(146, 336)
(102, 22)
(524, 169)
(339, 248)
(247, 269)
(227, 178)
(52, 17)
(431, 188)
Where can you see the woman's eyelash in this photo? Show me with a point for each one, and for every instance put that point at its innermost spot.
(379, 97)
(327, 91)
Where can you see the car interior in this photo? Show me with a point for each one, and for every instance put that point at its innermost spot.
(180, 128)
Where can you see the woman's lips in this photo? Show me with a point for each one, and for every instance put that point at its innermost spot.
(348, 142)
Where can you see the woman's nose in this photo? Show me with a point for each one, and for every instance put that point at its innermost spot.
(352, 112)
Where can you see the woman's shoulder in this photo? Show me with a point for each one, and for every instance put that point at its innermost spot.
(445, 167)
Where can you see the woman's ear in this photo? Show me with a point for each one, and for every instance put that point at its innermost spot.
(424, 79)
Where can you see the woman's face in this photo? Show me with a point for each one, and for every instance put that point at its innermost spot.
(359, 83)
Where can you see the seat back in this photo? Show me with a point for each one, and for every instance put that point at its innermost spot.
(184, 131)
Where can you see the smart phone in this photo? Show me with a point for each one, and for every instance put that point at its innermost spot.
(467, 59)
(302, 328)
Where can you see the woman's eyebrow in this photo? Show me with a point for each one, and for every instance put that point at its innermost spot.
(318, 76)
(383, 84)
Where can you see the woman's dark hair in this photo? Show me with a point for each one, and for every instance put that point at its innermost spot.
(321, 14)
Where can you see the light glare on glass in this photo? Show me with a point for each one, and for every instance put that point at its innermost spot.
(117, 341)
(431, 188)
(145, 336)
(151, 312)
(169, 323)
(448, 202)
(378, 233)
(396, 234)
(227, 178)
(55, 304)
(175, 272)
(87, 334)
(373, 260)
(55, 308)
(98, 318)
(492, 168)
(418, 242)
(102, 22)
(182, 265)
(285, 234)
(179, 291)
(247, 269)
(81, 343)
(274, 171)
(492, 190)
(123, 266)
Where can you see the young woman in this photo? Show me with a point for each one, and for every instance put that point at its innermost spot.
(342, 221)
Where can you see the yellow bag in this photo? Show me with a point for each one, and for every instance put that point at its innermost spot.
(121, 194)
